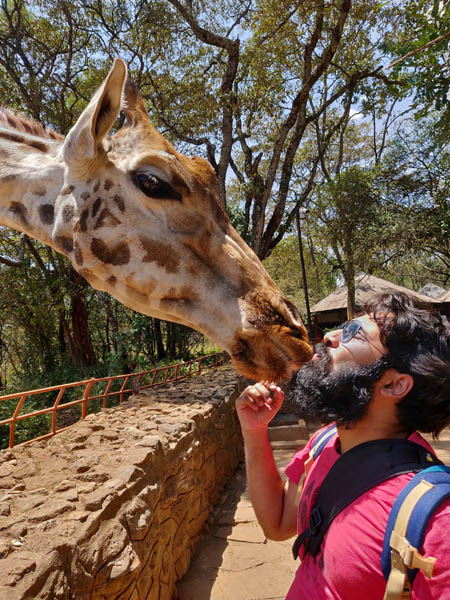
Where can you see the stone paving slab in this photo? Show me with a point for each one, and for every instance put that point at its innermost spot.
(233, 561)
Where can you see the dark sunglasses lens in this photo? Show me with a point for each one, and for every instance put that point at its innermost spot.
(350, 331)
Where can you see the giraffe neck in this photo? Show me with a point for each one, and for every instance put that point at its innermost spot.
(31, 178)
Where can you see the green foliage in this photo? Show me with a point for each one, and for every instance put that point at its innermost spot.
(425, 73)
(284, 267)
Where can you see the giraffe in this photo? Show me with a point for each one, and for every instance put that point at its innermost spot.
(144, 223)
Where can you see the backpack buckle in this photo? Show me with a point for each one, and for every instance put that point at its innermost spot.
(410, 556)
(315, 521)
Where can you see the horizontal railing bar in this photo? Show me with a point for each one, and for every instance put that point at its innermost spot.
(55, 388)
(85, 399)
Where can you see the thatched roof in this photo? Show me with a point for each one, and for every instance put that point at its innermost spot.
(433, 291)
(366, 287)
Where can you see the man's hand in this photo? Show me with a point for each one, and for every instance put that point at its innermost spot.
(258, 404)
(273, 501)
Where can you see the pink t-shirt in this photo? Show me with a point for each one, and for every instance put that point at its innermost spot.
(348, 564)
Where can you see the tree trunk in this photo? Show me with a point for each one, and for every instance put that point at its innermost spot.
(350, 279)
(80, 331)
(64, 327)
(160, 350)
(171, 340)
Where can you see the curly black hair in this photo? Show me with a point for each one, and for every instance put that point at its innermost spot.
(418, 343)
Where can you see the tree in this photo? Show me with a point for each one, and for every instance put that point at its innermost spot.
(236, 80)
(422, 65)
(418, 164)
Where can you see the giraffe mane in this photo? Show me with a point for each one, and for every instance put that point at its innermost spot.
(15, 120)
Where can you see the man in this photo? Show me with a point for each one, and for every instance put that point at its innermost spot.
(385, 374)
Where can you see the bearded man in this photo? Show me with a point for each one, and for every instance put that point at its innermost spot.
(383, 375)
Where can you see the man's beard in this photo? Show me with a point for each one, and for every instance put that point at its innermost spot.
(342, 395)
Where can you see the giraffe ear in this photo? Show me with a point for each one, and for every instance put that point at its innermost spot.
(98, 117)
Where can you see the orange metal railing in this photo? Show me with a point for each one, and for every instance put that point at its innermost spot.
(134, 381)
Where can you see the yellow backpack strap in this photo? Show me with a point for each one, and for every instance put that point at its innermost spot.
(317, 447)
(403, 555)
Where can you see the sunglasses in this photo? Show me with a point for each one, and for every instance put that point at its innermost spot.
(349, 329)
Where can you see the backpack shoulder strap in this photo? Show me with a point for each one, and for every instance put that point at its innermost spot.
(401, 557)
(316, 448)
(354, 473)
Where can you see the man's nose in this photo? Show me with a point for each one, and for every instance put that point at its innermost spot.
(332, 338)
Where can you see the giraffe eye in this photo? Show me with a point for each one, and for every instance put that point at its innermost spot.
(155, 187)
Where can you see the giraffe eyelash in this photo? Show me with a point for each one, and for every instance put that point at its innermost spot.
(154, 187)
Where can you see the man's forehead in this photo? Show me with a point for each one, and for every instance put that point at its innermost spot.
(370, 323)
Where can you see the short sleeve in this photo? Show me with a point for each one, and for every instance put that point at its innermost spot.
(295, 468)
(436, 544)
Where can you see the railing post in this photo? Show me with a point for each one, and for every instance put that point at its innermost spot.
(108, 387)
(123, 388)
(12, 425)
(87, 389)
(55, 406)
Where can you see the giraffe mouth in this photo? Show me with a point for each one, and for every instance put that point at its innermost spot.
(272, 354)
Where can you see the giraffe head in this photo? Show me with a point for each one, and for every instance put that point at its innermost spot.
(145, 223)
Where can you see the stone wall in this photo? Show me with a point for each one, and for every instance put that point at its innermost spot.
(112, 507)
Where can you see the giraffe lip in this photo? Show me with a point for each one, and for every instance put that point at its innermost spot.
(289, 361)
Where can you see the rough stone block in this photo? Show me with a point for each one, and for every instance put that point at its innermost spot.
(117, 517)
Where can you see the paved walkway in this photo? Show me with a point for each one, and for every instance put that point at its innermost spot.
(234, 561)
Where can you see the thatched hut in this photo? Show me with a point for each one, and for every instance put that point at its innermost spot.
(332, 310)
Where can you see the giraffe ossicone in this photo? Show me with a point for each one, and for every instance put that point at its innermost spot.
(144, 223)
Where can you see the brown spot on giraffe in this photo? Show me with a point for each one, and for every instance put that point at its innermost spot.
(85, 196)
(78, 254)
(108, 185)
(159, 253)
(96, 206)
(112, 280)
(68, 189)
(46, 213)
(67, 213)
(83, 219)
(96, 186)
(65, 242)
(113, 255)
(20, 210)
(185, 297)
(40, 191)
(8, 178)
(119, 202)
(106, 219)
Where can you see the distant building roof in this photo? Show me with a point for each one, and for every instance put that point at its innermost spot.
(366, 287)
(433, 291)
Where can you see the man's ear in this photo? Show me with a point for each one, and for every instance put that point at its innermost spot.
(83, 140)
(394, 385)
